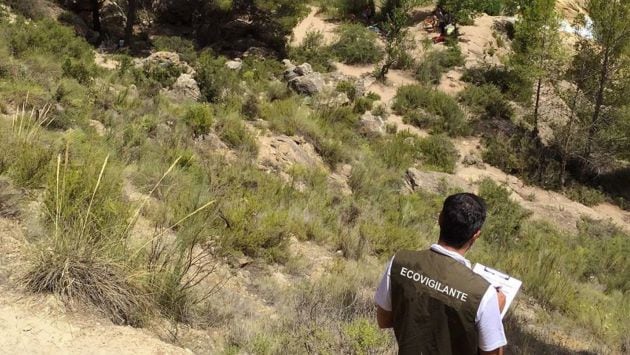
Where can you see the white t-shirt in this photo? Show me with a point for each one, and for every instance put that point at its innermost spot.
(488, 319)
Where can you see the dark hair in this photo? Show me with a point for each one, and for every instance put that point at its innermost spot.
(462, 216)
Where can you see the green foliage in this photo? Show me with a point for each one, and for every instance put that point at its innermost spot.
(438, 153)
(33, 9)
(46, 37)
(436, 63)
(499, 152)
(354, 8)
(199, 118)
(364, 335)
(312, 50)
(357, 45)
(400, 151)
(232, 130)
(487, 102)
(214, 79)
(430, 108)
(347, 88)
(514, 84)
(504, 215)
(184, 47)
(585, 195)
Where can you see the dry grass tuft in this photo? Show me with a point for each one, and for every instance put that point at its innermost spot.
(90, 281)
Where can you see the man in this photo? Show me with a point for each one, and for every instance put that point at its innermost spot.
(433, 300)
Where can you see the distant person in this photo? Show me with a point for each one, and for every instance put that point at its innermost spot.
(432, 298)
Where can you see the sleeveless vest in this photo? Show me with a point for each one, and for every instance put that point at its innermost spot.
(434, 303)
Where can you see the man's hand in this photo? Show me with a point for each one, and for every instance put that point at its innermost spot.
(384, 318)
(501, 297)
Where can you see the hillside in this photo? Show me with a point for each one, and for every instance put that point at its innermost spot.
(227, 194)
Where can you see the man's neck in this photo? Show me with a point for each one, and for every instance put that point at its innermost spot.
(461, 251)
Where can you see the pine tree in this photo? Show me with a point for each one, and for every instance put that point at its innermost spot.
(537, 48)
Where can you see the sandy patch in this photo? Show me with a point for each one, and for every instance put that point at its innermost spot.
(313, 22)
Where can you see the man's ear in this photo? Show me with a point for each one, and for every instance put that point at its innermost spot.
(476, 236)
(440, 218)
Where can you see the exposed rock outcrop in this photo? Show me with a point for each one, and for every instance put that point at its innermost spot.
(185, 88)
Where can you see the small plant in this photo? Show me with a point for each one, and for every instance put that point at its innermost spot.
(436, 63)
(487, 101)
(199, 118)
(357, 45)
(430, 108)
(585, 195)
(438, 153)
(312, 50)
(232, 130)
(184, 47)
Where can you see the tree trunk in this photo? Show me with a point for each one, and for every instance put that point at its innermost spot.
(96, 18)
(537, 107)
(599, 102)
(132, 7)
(567, 139)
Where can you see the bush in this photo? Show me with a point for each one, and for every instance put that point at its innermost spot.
(232, 131)
(400, 151)
(184, 47)
(199, 118)
(585, 195)
(436, 63)
(487, 101)
(312, 50)
(215, 80)
(353, 8)
(33, 9)
(498, 152)
(357, 45)
(439, 153)
(347, 88)
(441, 112)
(515, 85)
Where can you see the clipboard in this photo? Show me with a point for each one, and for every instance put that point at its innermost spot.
(509, 285)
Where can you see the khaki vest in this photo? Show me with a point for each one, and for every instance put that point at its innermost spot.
(435, 300)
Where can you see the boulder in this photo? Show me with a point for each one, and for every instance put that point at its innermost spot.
(235, 64)
(304, 69)
(164, 59)
(370, 125)
(473, 160)
(307, 85)
(433, 181)
(185, 87)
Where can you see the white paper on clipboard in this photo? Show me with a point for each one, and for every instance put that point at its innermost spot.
(509, 285)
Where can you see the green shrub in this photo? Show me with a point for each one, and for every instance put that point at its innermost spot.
(357, 45)
(515, 85)
(363, 104)
(364, 335)
(504, 215)
(426, 107)
(164, 73)
(498, 152)
(47, 37)
(33, 9)
(487, 101)
(215, 80)
(277, 90)
(232, 131)
(436, 63)
(347, 88)
(438, 153)
(585, 195)
(184, 47)
(353, 8)
(199, 118)
(400, 151)
(312, 50)
(78, 71)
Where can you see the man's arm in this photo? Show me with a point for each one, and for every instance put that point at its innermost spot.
(384, 318)
(498, 351)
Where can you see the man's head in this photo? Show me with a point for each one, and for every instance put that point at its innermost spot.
(461, 219)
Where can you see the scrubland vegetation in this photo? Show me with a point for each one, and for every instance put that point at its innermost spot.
(204, 206)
